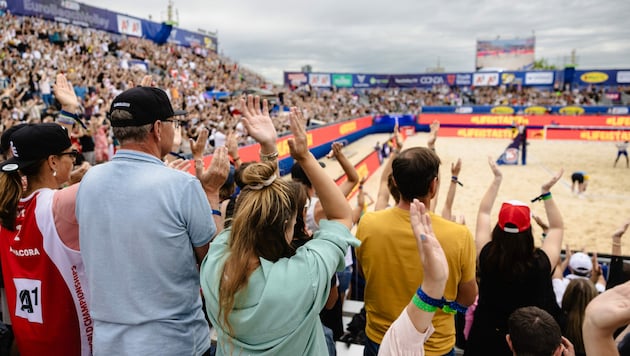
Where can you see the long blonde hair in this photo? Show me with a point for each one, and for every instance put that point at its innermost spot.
(578, 294)
(263, 209)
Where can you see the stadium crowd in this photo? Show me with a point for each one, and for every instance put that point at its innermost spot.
(268, 277)
(101, 65)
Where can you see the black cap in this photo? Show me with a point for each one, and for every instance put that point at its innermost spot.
(145, 104)
(33, 143)
(6, 135)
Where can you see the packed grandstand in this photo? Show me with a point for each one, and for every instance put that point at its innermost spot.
(101, 65)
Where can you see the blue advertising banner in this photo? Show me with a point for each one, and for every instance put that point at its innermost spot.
(458, 79)
(76, 13)
(391, 119)
(601, 77)
(531, 110)
(540, 78)
(295, 79)
(370, 81)
(192, 39)
(66, 11)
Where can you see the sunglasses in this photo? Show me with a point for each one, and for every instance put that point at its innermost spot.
(73, 154)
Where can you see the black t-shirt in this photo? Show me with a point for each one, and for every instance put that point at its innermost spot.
(87, 143)
(498, 298)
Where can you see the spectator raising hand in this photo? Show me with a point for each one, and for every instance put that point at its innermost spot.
(259, 125)
(413, 327)
(452, 188)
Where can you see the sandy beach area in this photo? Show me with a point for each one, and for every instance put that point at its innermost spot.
(589, 220)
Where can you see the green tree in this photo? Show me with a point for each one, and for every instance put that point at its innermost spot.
(543, 64)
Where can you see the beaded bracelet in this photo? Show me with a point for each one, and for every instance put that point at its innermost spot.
(431, 301)
(68, 118)
(449, 307)
(544, 196)
(422, 305)
(269, 157)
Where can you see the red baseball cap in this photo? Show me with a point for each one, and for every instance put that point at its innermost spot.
(515, 213)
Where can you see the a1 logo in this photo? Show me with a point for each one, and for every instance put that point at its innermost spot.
(28, 299)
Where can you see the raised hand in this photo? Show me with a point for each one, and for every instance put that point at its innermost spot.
(495, 169)
(147, 81)
(231, 142)
(397, 139)
(547, 186)
(336, 148)
(180, 164)
(198, 146)
(213, 178)
(77, 174)
(431, 253)
(434, 127)
(456, 167)
(621, 230)
(298, 145)
(64, 93)
(258, 123)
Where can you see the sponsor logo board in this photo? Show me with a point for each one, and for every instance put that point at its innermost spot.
(538, 78)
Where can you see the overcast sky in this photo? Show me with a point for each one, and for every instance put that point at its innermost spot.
(396, 36)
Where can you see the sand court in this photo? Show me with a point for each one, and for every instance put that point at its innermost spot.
(589, 220)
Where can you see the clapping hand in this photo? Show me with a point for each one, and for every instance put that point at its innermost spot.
(495, 169)
(258, 123)
(431, 253)
(213, 178)
(547, 186)
(298, 145)
(64, 93)
(198, 146)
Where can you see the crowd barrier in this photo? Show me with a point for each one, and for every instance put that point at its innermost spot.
(320, 139)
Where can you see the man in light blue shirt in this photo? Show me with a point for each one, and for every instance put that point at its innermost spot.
(144, 227)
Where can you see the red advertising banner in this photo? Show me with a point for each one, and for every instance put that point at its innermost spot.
(587, 135)
(471, 132)
(365, 168)
(324, 135)
(315, 137)
(529, 120)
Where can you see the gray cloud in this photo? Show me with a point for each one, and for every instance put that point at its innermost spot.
(397, 36)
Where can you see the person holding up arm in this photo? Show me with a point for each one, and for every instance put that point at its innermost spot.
(513, 273)
(408, 333)
(263, 296)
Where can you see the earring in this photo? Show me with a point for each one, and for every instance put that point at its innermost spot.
(54, 173)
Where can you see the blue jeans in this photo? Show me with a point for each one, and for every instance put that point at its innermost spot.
(330, 342)
(344, 279)
(371, 349)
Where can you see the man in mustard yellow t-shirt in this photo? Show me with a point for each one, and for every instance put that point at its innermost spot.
(389, 258)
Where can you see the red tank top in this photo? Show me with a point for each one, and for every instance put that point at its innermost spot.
(45, 283)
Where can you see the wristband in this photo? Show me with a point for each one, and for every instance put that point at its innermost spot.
(268, 157)
(216, 212)
(453, 308)
(454, 180)
(449, 307)
(68, 118)
(431, 301)
(422, 305)
(544, 196)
